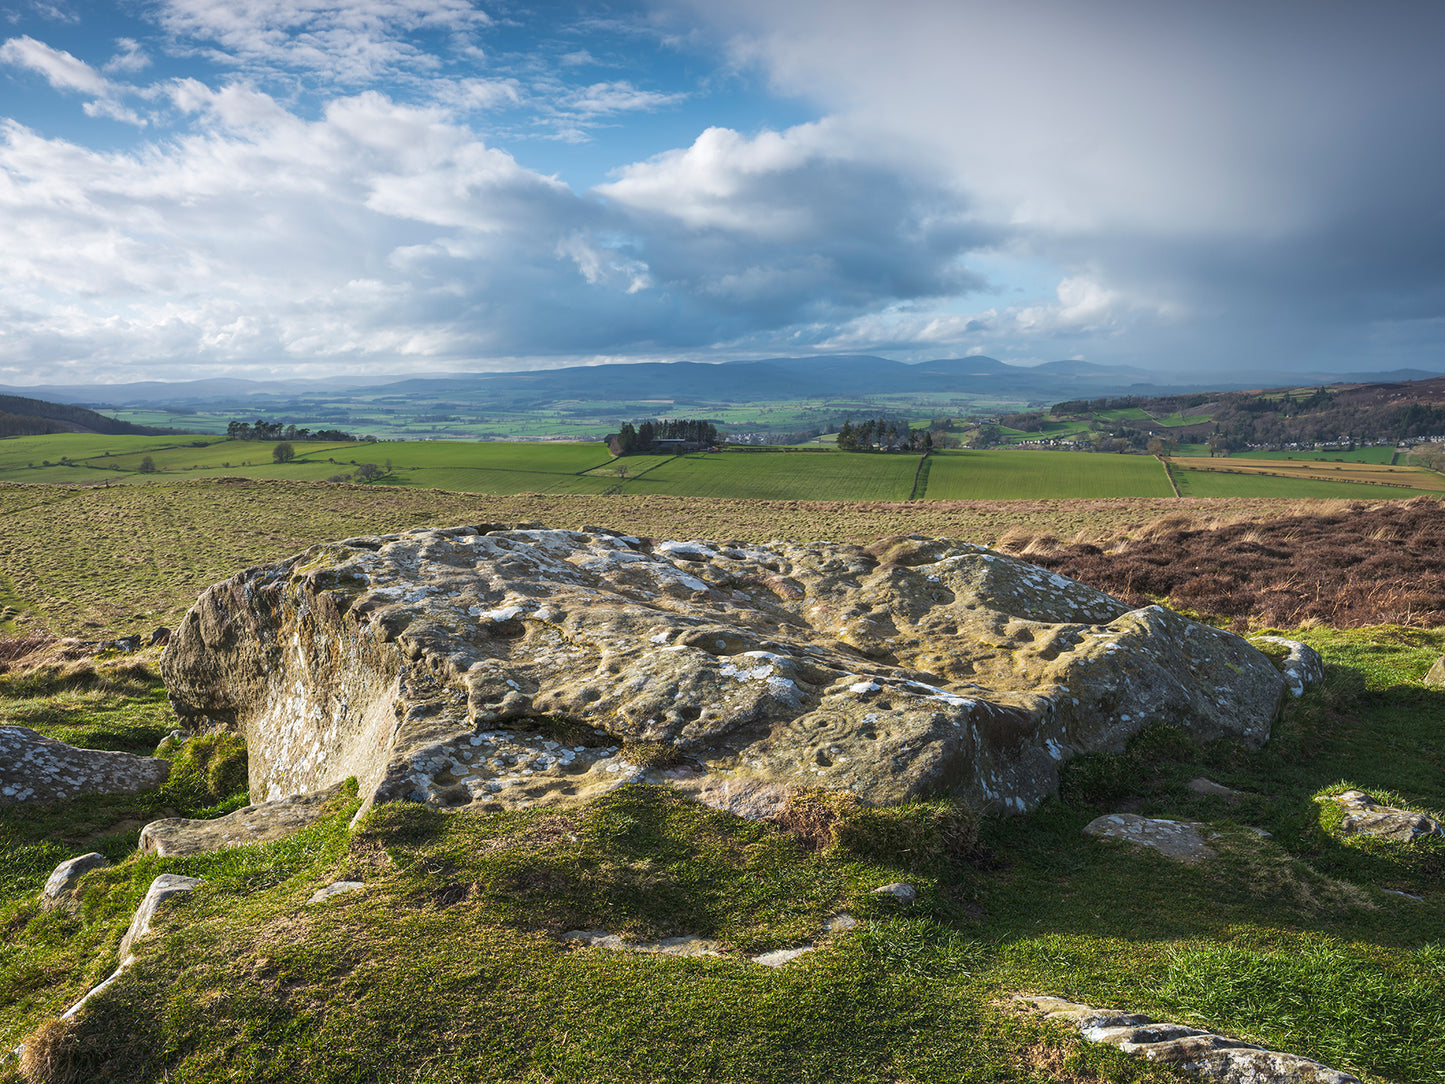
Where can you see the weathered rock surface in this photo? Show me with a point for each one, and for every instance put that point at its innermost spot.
(1365, 817)
(494, 667)
(1208, 788)
(1436, 674)
(336, 888)
(34, 768)
(63, 879)
(162, 891)
(176, 836)
(1195, 1051)
(1180, 840)
(1302, 666)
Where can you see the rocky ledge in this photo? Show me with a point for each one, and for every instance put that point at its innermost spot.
(491, 667)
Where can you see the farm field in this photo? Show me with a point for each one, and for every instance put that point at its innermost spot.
(1278, 478)
(1381, 455)
(1002, 474)
(819, 476)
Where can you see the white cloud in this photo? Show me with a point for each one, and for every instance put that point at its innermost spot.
(129, 57)
(344, 40)
(60, 69)
(619, 97)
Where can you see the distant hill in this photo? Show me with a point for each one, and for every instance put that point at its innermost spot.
(21, 417)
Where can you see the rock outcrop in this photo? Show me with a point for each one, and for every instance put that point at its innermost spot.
(1302, 665)
(1195, 1051)
(1366, 817)
(492, 667)
(34, 768)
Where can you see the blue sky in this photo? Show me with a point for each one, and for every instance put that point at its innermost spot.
(305, 187)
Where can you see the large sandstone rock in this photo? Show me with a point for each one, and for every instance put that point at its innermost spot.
(34, 768)
(1366, 817)
(496, 667)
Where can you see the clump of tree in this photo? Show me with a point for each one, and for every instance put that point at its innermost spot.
(653, 434)
(261, 429)
(22, 417)
(881, 435)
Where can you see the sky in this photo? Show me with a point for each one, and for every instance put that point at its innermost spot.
(307, 188)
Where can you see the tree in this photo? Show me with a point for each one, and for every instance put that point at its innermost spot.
(368, 472)
(283, 452)
(147, 465)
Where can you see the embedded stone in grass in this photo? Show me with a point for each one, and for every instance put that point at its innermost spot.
(1366, 817)
(1195, 1051)
(1208, 788)
(1180, 840)
(902, 893)
(1301, 664)
(162, 891)
(1436, 674)
(336, 888)
(685, 945)
(175, 836)
(498, 669)
(34, 768)
(62, 881)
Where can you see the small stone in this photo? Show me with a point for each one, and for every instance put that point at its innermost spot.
(778, 957)
(63, 880)
(1407, 895)
(336, 888)
(1208, 788)
(903, 893)
(1436, 674)
(842, 921)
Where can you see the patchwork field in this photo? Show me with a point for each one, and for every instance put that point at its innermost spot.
(1305, 478)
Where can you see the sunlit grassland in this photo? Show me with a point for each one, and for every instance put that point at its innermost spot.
(1306, 478)
(1383, 455)
(78, 560)
(449, 964)
(1003, 474)
(801, 475)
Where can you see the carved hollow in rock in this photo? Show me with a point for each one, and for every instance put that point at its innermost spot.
(478, 666)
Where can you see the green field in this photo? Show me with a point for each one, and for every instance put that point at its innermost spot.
(1383, 455)
(1193, 483)
(1000, 475)
(826, 476)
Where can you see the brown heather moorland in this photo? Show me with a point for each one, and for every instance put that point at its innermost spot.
(1350, 567)
(96, 561)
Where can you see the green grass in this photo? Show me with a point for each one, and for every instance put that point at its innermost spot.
(998, 474)
(1194, 483)
(819, 476)
(449, 966)
(1383, 455)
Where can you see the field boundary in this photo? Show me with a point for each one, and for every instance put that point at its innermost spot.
(920, 475)
(1169, 474)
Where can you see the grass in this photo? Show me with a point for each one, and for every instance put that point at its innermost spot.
(1314, 473)
(449, 964)
(96, 561)
(1237, 482)
(994, 475)
(814, 476)
(1381, 455)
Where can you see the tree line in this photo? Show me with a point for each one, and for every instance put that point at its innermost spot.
(261, 429)
(644, 436)
(881, 435)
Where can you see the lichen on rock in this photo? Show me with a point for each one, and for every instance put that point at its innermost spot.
(490, 667)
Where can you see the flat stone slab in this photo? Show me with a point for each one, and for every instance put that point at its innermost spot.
(336, 888)
(1180, 840)
(1365, 817)
(1195, 1051)
(494, 668)
(176, 836)
(686, 945)
(34, 768)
